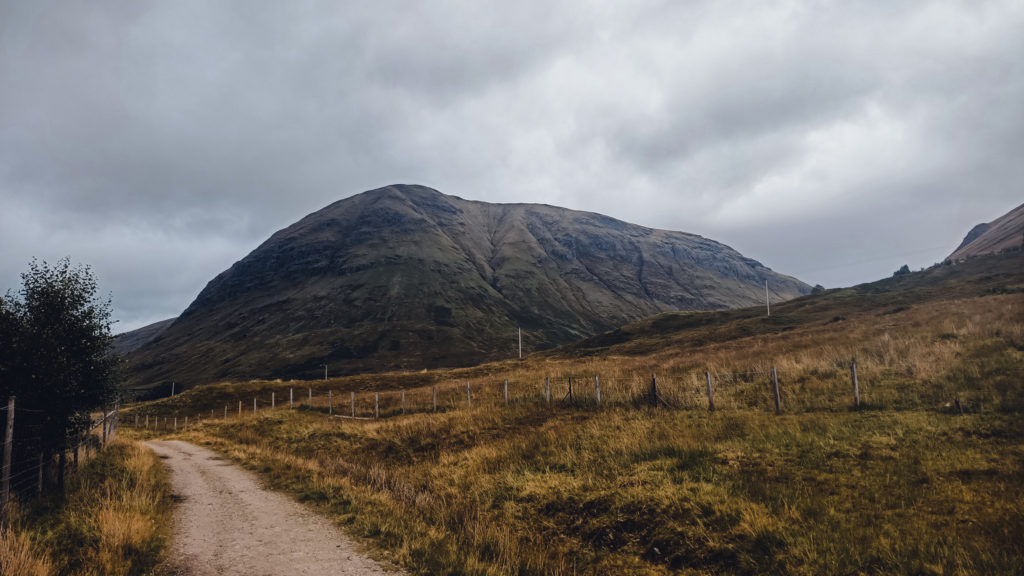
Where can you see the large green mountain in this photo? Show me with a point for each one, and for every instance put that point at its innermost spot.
(407, 277)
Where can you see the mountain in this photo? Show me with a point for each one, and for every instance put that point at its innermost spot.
(405, 277)
(1004, 233)
(130, 341)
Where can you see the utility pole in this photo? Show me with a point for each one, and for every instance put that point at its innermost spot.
(172, 388)
(325, 371)
(520, 343)
(767, 302)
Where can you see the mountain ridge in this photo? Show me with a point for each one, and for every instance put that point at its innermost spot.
(1003, 233)
(407, 277)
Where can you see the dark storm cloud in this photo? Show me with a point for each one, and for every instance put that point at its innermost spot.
(160, 142)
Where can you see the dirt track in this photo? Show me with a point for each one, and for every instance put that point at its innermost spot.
(228, 524)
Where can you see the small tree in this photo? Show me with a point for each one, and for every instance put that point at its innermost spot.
(55, 343)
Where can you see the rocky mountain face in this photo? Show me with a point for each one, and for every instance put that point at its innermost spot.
(1002, 234)
(405, 277)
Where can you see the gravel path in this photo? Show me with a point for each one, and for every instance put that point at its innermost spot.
(226, 523)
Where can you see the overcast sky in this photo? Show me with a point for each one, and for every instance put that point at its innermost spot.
(159, 142)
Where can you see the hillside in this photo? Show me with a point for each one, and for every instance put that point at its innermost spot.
(925, 475)
(134, 339)
(981, 276)
(1004, 233)
(405, 277)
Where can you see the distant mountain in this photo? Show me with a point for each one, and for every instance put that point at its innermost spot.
(1004, 233)
(406, 277)
(130, 341)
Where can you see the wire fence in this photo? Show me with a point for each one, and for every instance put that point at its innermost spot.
(763, 388)
(32, 461)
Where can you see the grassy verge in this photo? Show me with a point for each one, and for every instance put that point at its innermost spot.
(657, 492)
(112, 520)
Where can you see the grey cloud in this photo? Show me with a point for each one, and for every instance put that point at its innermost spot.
(161, 141)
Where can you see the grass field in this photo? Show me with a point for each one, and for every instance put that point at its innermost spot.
(113, 520)
(905, 485)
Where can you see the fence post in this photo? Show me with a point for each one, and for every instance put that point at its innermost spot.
(239, 408)
(469, 397)
(403, 401)
(654, 390)
(136, 420)
(5, 498)
(376, 404)
(254, 405)
(186, 422)
(775, 384)
(330, 402)
(597, 389)
(856, 385)
(175, 423)
(291, 398)
(711, 397)
(104, 423)
(570, 389)
(273, 399)
(310, 396)
(352, 397)
(547, 390)
(506, 391)
(435, 397)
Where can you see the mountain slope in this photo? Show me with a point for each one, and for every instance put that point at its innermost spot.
(133, 340)
(1004, 233)
(407, 277)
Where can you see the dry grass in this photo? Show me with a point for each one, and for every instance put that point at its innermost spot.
(19, 557)
(113, 520)
(904, 486)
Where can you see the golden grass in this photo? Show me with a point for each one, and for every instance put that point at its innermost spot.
(112, 521)
(19, 557)
(903, 486)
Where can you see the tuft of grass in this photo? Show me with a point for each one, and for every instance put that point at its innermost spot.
(113, 520)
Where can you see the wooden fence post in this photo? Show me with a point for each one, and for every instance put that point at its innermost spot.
(654, 390)
(239, 408)
(856, 385)
(330, 402)
(506, 391)
(291, 398)
(186, 422)
(597, 389)
(136, 420)
(570, 389)
(403, 401)
(469, 397)
(352, 397)
(376, 404)
(175, 423)
(711, 397)
(310, 396)
(435, 397)
(5, 497)
(254, 405)
(547, 390)
(775, 384)
(273, 399)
